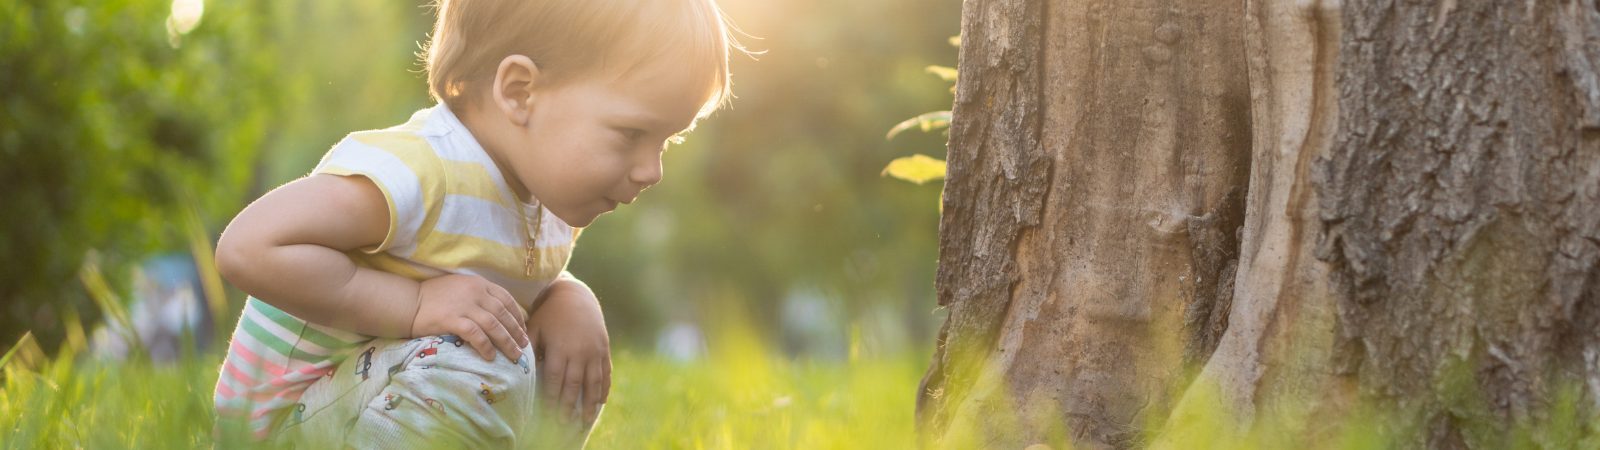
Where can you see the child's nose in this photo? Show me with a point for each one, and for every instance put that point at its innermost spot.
(648, 172)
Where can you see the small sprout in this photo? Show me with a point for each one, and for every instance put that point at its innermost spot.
(926, 122)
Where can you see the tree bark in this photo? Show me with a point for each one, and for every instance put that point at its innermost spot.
(1461, 205)
(1279, 339)
(1098, 165)
(1403, 212)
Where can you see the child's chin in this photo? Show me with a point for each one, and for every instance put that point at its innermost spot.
(579, 219)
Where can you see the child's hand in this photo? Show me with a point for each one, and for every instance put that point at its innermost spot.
(570, 339)
(474, 309)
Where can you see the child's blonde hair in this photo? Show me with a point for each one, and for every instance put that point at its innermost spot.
(569, 38)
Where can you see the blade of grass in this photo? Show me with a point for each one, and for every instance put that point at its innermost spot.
(26, 337)
(76, 340)
(109, 303)
(205, 263)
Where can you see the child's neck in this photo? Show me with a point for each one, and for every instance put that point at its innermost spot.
(492, 139)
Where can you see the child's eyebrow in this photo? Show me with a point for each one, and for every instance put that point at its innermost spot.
(645, 119)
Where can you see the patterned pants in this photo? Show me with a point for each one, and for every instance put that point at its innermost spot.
(434, 392)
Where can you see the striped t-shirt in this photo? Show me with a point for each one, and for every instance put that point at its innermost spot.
(450, 211)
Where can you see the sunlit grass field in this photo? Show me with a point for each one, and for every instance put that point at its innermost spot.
(741, 395)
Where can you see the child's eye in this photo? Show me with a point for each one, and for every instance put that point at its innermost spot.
(631, 134)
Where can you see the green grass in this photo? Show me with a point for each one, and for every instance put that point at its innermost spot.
(760, 402)
(68, 404)
(742, 396)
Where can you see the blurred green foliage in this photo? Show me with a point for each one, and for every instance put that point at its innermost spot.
(114, 124)
(114, 127)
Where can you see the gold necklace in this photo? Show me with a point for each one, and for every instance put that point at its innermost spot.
(531, 237)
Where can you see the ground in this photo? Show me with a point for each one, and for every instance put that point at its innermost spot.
(742, 397)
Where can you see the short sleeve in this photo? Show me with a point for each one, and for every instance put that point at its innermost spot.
(403, 166)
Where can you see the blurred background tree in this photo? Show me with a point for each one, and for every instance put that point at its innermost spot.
(123, 117)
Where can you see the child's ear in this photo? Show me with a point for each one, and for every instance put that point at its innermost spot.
(514, 83)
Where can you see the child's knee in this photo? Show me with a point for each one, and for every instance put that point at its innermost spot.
(444, 370)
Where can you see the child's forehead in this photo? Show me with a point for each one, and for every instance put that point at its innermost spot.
(665, 93)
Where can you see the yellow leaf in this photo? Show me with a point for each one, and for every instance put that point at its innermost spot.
(916, 169)
(955, 41)
(944, 73)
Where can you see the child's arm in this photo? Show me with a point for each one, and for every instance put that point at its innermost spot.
(569, 333)
(287, 249)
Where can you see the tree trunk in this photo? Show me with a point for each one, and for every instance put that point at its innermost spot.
(1098, 166)
(1279, 338)
(1391, 203)
(1462, 201)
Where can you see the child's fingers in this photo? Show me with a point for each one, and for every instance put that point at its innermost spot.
(593, 392)
(470, 331)
(605, 379)
(533, 343)
(497, 333)
(550, 377)
(510, 302)
(511, 315)
(571, 386)
(508, 320)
